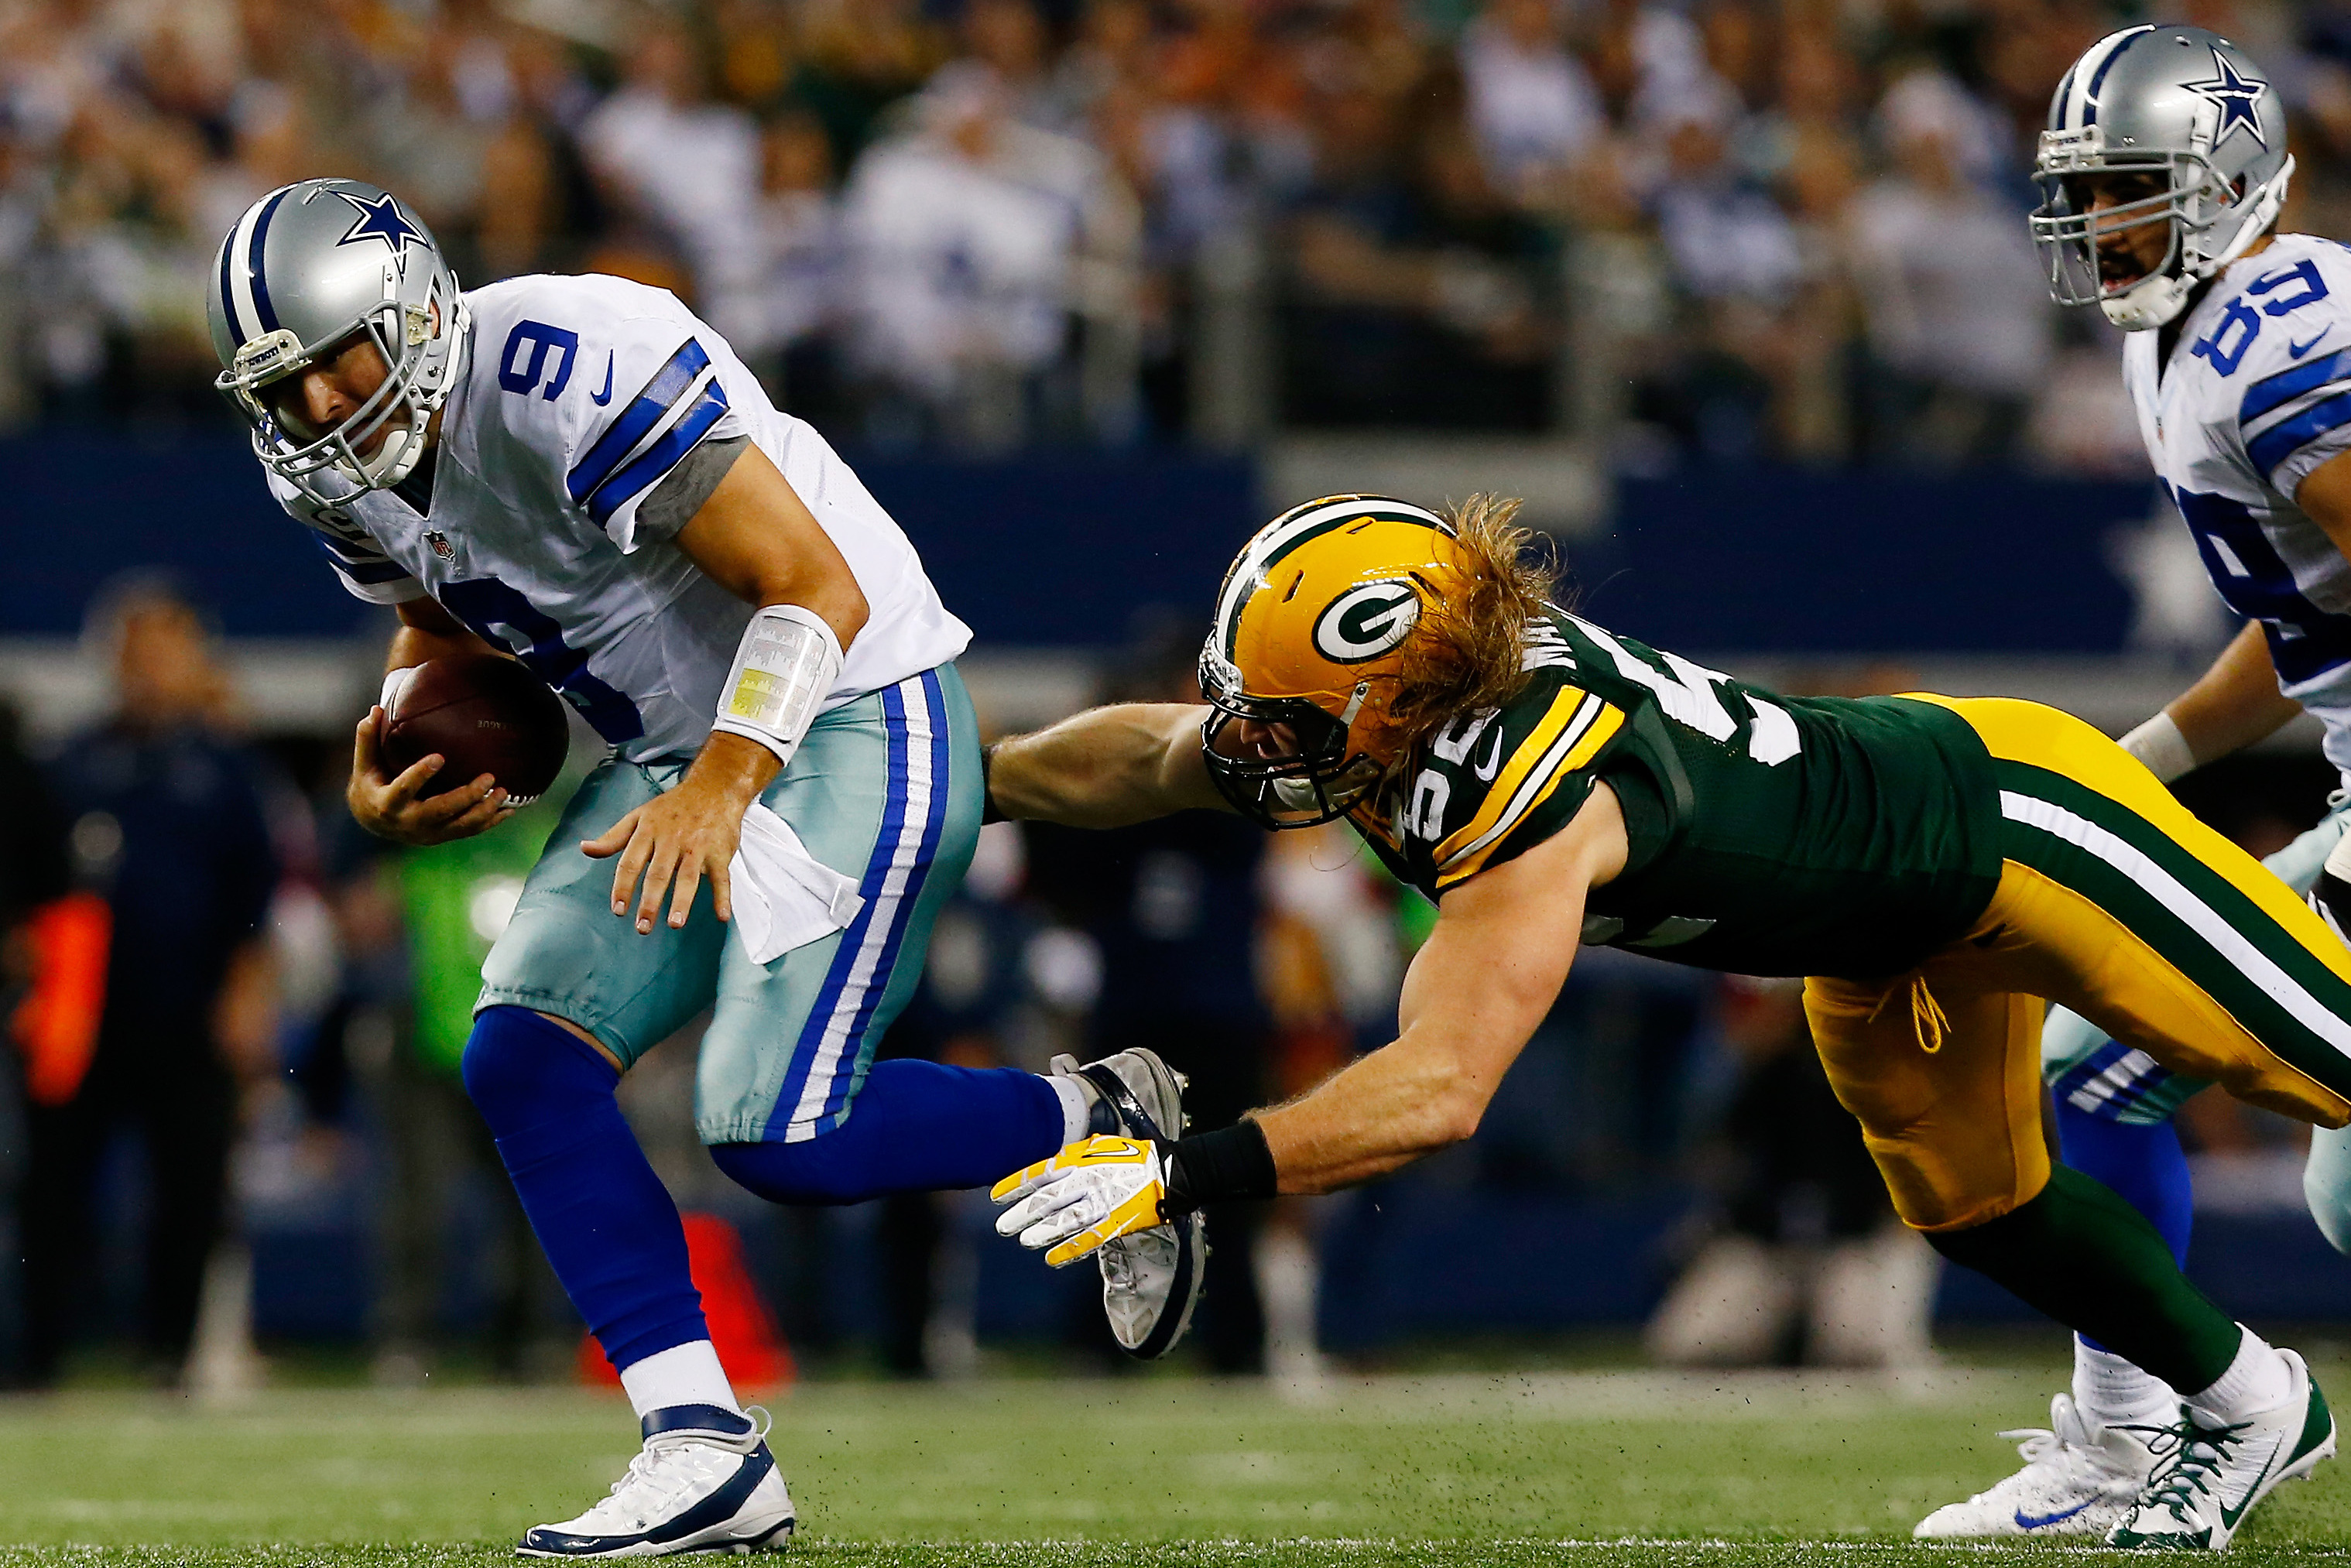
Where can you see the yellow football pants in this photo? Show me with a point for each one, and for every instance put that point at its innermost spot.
(2117, 903)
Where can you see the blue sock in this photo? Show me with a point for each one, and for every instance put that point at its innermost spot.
(604, 1220)
(917, 1127)
(2145, 1164)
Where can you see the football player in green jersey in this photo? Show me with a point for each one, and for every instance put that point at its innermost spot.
(1936, 868)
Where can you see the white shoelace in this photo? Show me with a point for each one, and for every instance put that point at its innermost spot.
(2058, 1460)
(654, 1479)
(657, 1477)
(2035, 1445)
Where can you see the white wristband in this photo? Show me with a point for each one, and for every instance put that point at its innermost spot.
(2158, 744)
(787, 660)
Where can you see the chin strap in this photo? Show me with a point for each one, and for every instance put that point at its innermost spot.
(2157, 301)
(2267, 202)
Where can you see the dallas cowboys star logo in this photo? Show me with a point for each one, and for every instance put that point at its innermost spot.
(380, 220)
(2235, 97)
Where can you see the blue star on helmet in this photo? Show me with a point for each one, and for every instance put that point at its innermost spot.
(381, 219)
(2236, 97)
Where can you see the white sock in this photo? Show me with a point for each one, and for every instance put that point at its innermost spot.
(2112, 1392)
(2257, 1380)
(685, 1374)
(1076, 1109)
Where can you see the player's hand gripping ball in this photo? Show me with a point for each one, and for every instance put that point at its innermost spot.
(454, 746)
(1095, 1190)
(482, 714)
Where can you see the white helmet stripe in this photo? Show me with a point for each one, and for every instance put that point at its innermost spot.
(246, 319)
(2090, 74)
(228, 292)
(1276, 536)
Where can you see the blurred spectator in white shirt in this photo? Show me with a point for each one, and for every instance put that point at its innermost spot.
(802, 253)
(1532, 107)
(975, 237)
(1726, 236)
(688, 167)
(1668, 59)
(1956, 311)
(800, 232)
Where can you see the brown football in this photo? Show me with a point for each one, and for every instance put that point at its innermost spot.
(482, 714)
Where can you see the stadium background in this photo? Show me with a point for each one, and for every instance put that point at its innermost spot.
(1737, 294)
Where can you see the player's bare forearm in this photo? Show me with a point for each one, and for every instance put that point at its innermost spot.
(426, 631)
(2235, 703)
(1487, 977)
(759, 540)
(1105, 768)
(732, 768)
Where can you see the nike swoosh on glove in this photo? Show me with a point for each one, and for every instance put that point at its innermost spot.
(1095, 1190)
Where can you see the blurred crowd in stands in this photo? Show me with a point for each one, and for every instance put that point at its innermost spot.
(1704, 229)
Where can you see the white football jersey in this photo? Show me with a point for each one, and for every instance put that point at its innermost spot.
(550, 442)
(2257, 395)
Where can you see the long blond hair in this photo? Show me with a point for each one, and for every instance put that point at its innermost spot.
(1467, 650)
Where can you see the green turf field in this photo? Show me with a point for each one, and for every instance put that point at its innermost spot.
(1597, 1468)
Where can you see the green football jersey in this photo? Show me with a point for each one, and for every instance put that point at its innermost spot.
(1769, 835)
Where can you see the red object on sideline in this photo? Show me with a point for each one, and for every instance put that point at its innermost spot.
(750, 1346)
(56, 1024)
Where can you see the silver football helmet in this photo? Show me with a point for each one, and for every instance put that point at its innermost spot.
(2182, 104)
(307, 268)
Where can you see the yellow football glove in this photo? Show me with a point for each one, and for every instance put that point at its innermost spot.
(1095, 1190)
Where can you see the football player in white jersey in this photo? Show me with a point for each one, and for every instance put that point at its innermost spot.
(2162, 172)
(578, 473)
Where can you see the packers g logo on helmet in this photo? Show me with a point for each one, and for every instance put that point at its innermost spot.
(1364, 623)
(1306, 649)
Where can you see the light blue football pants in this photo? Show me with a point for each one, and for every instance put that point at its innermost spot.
(885, 788)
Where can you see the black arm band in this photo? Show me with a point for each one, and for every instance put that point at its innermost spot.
(988, 808)
(1231, 1165)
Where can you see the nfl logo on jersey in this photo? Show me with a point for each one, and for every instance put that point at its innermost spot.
(441, 545)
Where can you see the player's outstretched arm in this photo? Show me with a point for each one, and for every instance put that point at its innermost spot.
(391, 808)
(1477, 989)
(1486, 979)
(1105, 768)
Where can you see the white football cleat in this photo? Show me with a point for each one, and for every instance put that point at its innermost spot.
(2210, 1477)
(2077, 1480)
(704, 1481)
(1151, 1280)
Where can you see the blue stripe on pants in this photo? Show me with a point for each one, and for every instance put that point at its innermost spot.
(815, 1091)
(877, 984)
(852, 940)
